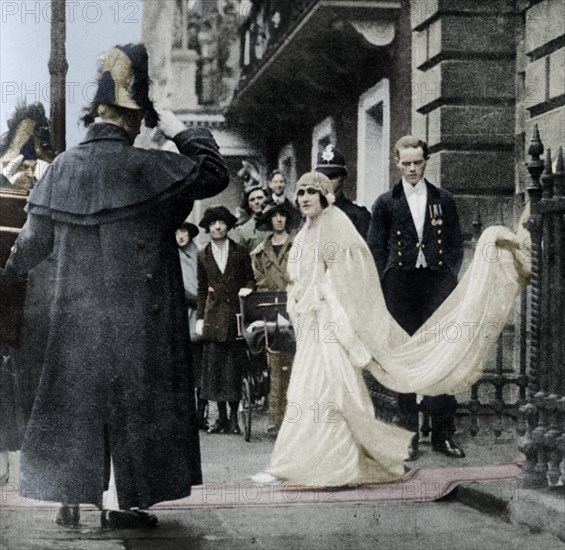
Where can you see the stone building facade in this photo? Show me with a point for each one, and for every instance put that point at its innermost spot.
(470, 77)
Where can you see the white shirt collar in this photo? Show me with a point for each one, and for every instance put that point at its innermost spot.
(409, 189)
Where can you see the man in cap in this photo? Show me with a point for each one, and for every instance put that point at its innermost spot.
(270, 261)
(416, 241)
(116, 386)
(248, 233)
(331, 163)
(25, 149)
(224, 272)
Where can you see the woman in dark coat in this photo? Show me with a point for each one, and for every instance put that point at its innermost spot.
(117, 381)
(224, 272)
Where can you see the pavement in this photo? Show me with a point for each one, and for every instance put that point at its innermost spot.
(496, 515)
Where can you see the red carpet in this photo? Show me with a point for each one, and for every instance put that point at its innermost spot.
(419, 485)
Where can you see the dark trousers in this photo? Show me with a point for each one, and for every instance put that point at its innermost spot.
(411, 298)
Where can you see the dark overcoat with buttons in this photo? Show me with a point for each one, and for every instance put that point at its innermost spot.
(117, 377)
(393, 239)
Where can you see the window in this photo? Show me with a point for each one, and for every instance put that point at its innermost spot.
(373, 143)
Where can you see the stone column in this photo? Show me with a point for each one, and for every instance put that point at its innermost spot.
(463, 99)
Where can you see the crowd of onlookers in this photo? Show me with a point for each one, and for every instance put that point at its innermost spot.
(255, 258)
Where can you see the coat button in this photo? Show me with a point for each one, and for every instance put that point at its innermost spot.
(439, 241)
(417, 245)
(155, 308)
(399, 243)
(140, 244)
(440, 263)
(398, 233)
(400, 264)
(149, 277)
(439, 231)
(423, 246)
(399, 253)
(440, 251)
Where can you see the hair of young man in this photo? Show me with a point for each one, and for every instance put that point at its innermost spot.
(410, 142)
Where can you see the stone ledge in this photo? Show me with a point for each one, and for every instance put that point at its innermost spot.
(540, 510)
(544, 23)
(423, 12)
(484, 81)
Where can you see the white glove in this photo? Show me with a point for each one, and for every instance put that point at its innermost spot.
(199, 328)
(10, 171)
(244, 292)
(169, 124)
(40, 169)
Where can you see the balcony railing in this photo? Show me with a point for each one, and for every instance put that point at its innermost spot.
(269, 24)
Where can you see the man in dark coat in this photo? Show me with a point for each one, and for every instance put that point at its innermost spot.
(224, 272)
(415, 239)
(116, 386)
(331, 163)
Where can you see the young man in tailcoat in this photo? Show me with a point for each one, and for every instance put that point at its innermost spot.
(416, 241)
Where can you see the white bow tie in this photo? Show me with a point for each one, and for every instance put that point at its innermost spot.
(415, 190)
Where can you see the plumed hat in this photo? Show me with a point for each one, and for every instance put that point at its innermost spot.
(214, 213)
(250, 176)
(191, 229)
(28, 135)
(124, 81)
(264, 222)
(331, 162)
(313, 180)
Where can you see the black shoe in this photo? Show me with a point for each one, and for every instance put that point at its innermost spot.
(414, 452)
(273, 429)
(448, 448)
(69, 516)
(127, 519)
(220, 427)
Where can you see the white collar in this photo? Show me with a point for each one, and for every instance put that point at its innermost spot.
(418, 189)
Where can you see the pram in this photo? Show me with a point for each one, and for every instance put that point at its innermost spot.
(266, 328)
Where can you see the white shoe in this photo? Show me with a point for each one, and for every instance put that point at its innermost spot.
(4, 467)
(265, 478)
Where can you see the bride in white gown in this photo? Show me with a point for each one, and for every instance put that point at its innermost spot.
(329, 436)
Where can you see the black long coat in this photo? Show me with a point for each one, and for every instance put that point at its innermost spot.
(218, 308)
(117, 377)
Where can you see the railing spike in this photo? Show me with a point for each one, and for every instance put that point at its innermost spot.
(536, 146)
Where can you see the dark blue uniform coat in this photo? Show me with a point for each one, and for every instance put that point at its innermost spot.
(412, 295)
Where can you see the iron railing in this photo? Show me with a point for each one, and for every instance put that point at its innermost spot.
(544, 411)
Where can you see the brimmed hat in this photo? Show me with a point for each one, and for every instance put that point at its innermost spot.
(191, 228)
(331, 162)
(314, 180)
(28, 135)
(264, 222)
(214, 213)
(124, 82)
